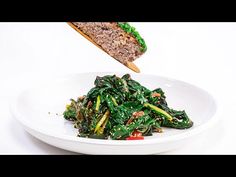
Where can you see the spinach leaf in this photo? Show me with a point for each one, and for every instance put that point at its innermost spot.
(117, 106)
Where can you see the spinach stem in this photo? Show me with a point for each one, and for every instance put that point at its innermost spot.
(102, 120)
(158, 110)
(114, 101)
(98, 103)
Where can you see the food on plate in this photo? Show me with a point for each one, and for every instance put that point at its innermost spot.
(120, 108)
(118, 39)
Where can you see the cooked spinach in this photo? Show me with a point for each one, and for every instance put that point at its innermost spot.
(116, 107)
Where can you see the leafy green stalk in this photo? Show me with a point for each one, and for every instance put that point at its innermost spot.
(114, 101)
(158, 111)
(102, 120)
(98, 103)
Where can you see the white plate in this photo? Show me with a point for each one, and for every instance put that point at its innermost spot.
(32, 109)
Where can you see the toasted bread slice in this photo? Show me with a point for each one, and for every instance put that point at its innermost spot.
(119, 40)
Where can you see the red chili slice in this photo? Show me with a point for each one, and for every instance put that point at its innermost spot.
(136, 135)
(135, 138)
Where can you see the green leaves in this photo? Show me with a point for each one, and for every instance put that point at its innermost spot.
(143, 124)
(123, 112)
(180, 120)
(116, 107)
(70, 113)
(131, 30)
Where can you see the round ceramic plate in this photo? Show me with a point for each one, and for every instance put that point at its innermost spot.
(40, 110)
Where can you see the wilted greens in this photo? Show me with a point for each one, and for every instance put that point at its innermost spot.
(121, 108)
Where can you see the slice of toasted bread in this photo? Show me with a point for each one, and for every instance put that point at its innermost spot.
(124, 46)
